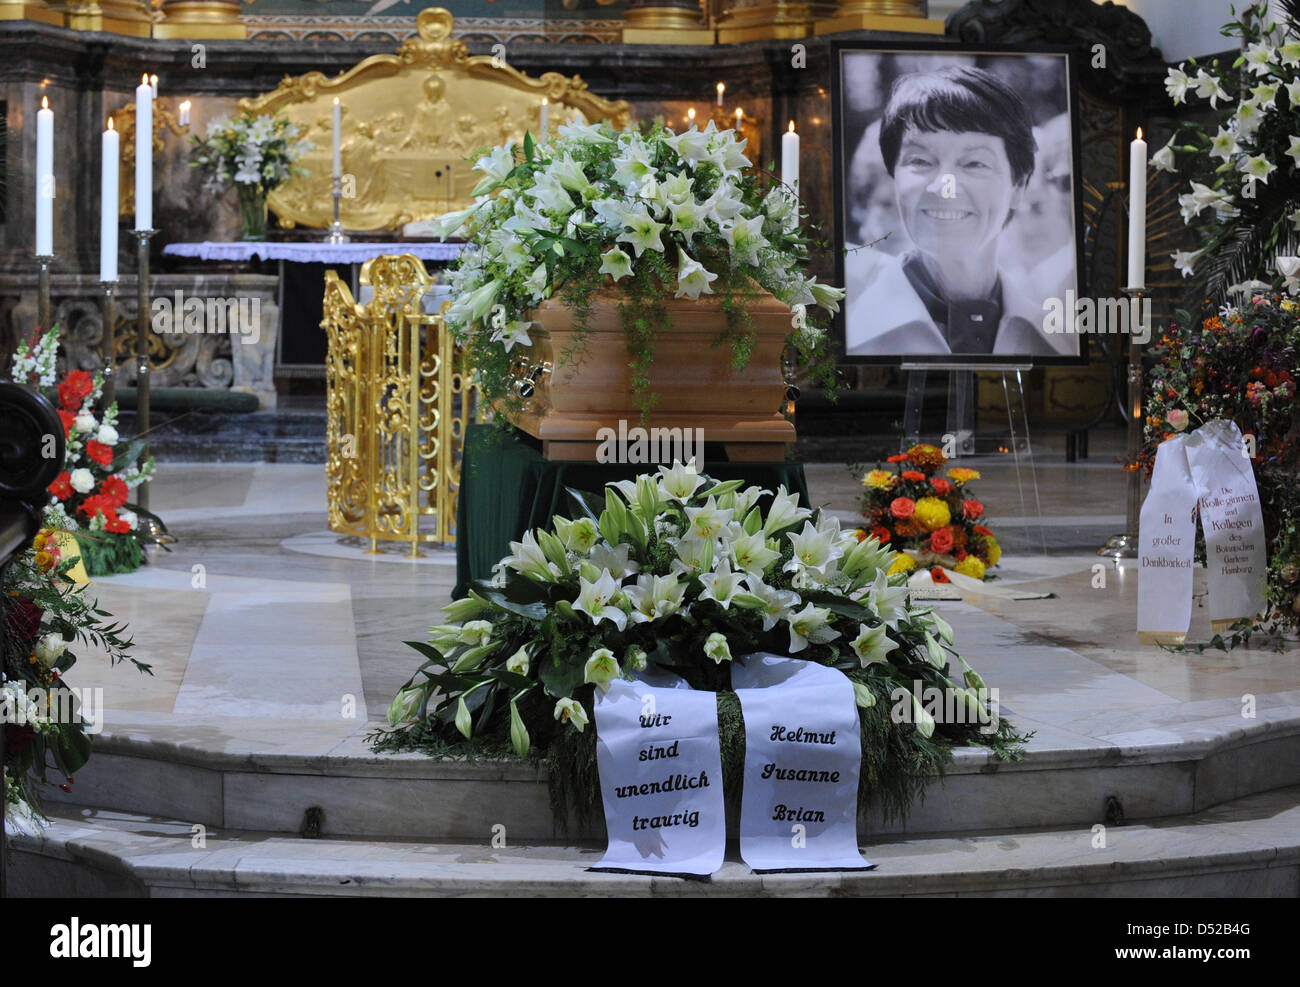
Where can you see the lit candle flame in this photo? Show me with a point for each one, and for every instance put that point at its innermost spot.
(144, 79)
(45, 102)
(690, 114)
(1139, 133)
(336, 101)
(792, 126)
(722, 88)
(110, 124)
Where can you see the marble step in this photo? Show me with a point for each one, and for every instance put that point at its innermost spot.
(362, 794)
(1247, 847)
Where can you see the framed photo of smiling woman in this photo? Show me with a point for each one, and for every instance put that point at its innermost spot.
(958, 200)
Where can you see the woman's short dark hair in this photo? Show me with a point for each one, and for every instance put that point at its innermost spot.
(959, 98)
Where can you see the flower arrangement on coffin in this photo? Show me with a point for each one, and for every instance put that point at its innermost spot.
(931, 520)
(1247, 174)
(100, 471)
(651, 215)
(43, 614)
(254, 152)
(678, 571)
(1240, 365)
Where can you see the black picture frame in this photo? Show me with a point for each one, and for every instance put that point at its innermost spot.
(854, 354)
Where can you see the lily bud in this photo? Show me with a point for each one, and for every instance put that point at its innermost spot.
(518, 732)
(405, 704)
(459, 611)
(464, 723)
(923, 720)
(970, 676)
(933, 652)
(863, 695)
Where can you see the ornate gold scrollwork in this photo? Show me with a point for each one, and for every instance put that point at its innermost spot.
(398, 406)
(412, 124)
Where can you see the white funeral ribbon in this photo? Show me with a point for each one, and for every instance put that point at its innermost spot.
(660, 766)
(803, 752)
(1206, 466)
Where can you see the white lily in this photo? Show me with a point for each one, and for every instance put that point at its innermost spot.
(715, 647)
(1177, 83)
(866, 557)
(777, 603)
(1248, 118)
(601, 668)
(528, 559)
(642, 231)
(679, 482)
(708, 520)
(692, 145)
(1258, 56)
(1293, 152)
(692, 277)
(872, 644)
(694, 554)
(825, 295)
(751, 554)
(536, 282)
(569, 173)
(813, 549)
(615, 263)
(578, 536)
(475, 632)
(745, 237)
(518, 662)
(655, 596)
(450, 224)
(1265, 93)
(496, 164)
(570, 711)
(615, 559)
(784, 512)
(594, 133)
(723, 204)
(1259, 167)
(1163, 159)
(889, 602)
(1208, 87)
(1290, 53)
(1200, 197)
(1223, 144)
(551, 196)
(810, 625)
(512, 334)
(720, 585)
(609, 213)
(1185, 261)
(632, 166)
(676, 189)
(689, 217)
(594, 600)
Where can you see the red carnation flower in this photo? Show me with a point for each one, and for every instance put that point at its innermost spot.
(902, 507)
(979, 529)
(74, 390)
(938, 575)
(913, 476)
(62, 486)
(900, 458)
(69, 420)
(971, 509)
(881, 534)
(114, 490)
(100, 453)
(941, 486)
(941, 541)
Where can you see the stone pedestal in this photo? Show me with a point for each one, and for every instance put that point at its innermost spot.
(880, 15)
(758, 20)
(201, 19)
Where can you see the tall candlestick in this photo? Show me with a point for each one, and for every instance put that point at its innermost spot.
(108, 206)
(144, 155)
(1137, 213)
(338, 146)
(722, 88)
(545, 117)
(45, 180)
(185, 114)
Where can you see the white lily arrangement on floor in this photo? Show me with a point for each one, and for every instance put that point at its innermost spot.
(679, 571)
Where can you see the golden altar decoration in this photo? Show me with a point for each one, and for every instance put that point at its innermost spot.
(398, 405)
(413, 125)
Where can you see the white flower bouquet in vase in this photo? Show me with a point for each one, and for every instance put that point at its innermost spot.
(254, 153)
(618, 261)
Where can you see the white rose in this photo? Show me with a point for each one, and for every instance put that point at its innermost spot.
(49, 648)
(82, 481)
(107, 435)
(86, 423)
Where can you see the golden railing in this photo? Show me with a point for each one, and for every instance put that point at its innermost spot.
(398, 407)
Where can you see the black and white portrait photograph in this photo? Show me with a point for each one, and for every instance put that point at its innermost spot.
(957, 187)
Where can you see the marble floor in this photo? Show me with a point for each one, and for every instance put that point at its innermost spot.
(267, 634)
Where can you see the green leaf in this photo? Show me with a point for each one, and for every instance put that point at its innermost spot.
(499, 601)
(530, 145)
(560, 674)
